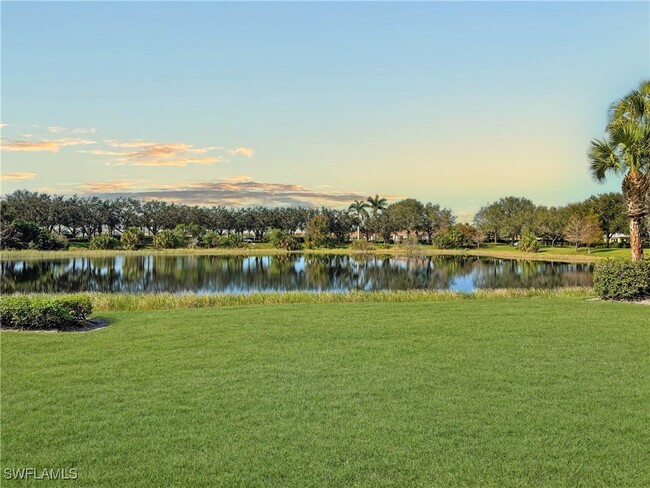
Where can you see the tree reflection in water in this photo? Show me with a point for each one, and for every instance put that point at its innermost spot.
(243, 274)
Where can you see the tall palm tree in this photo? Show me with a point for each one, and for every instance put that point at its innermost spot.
(359, 208)
(377, 204)
(625, 150)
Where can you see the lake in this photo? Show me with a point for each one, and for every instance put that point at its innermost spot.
(295, 272)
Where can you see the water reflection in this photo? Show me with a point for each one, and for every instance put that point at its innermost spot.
(243, 274)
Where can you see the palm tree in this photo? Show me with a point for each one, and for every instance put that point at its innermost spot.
(377, 204)
(359, 208)
(625, 150)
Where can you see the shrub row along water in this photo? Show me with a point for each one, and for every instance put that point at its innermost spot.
(45, 312)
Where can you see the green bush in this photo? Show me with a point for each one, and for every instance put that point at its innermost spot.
(27, 235)
(529, 243)
(622, 279)
(283, 240)
(231, 240)
(51, 241)
(210, 239)
(190, 235)
(24, 312)
(104, 241)
(19, 234)
(317, 233)
(132, 238)
(167, 239)
(449, 239)
(362, 245)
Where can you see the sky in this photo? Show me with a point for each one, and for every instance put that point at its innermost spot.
(314, 103)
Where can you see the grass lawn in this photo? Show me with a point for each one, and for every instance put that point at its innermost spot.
(484, 392)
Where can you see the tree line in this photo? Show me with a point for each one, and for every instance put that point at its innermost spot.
(508, 219)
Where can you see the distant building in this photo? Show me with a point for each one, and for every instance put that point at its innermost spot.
(620, 238)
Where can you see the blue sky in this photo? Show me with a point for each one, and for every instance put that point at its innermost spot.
(458, 103)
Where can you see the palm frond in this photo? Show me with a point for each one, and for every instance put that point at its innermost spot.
(604, 159)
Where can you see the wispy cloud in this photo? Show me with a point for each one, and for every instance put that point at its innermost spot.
(101, 152)
(243, 191)
(144, 153)
(177, 162)
(106, 186)
(243, 151)
(78, 130)
(45, 145)
(16, 176)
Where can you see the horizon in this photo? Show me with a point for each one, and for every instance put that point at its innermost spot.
(314, 104)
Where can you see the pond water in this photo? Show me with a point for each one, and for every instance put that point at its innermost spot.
(314, 273)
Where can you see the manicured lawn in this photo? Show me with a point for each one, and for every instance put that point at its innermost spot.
(485, 392)
(570, 251)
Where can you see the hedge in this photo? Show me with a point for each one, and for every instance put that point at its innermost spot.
(622, 279)
(25, 312)
(104, 241)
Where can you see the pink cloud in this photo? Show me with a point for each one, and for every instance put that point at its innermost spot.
(16, 176)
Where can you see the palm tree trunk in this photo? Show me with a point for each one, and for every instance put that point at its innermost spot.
(635, 191)
(635, 239)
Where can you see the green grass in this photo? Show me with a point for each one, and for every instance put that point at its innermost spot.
(563, 254)
(509, 392)
(168, 301)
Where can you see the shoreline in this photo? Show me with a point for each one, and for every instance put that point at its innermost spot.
(543, 255)
(126, 302)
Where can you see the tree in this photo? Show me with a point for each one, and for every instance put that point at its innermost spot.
(517, 216)
(153, 215)
(436, 220)
(407, 215)
(317, 234)
(282, 240)
(132, 238)
(611, 211)
(583, 229)
(490, 219)
(340, 223)
(471, 234)
(592, 232)
(625, 150)
(549, 223)
(377, 204)
(360, 210)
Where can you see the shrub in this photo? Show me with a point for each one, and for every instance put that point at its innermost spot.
(132, 238)
(318, 232)
(529, 243)
(190, 235)
(24, 312)
(362, 245)
(283, 240)
(622, 279)
(51, 241)
(27, 231)
(27, 235)
(167, 239)
(449, 239)
(104, 241)
(231, 240)
(210, 239)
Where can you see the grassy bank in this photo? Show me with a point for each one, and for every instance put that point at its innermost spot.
(169, 301)
(548, 391)
(561, 254)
